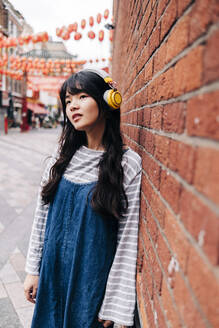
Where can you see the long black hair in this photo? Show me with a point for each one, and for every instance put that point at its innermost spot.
(108, 197)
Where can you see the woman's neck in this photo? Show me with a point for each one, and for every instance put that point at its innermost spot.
(94, 138)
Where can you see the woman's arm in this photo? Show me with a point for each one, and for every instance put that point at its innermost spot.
(38, 228)
(120, 295)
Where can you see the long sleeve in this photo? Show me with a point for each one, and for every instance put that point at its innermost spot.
(120, 294)
(36, 242)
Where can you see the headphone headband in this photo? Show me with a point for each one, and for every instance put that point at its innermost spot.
(112, 96)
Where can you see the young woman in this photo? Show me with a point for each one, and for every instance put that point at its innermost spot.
(81, 261)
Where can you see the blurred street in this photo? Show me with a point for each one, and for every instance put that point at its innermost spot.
(22, 162)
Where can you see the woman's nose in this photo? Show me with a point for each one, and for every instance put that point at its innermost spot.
(74, 105)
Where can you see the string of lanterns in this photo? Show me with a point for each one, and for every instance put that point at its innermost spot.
(8, 42)
(40, 66)
(65, 31)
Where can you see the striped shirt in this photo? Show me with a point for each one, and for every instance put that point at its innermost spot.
(120, 295)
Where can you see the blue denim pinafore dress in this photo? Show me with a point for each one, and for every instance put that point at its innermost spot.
(78, 252)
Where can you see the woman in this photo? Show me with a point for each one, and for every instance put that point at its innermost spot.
(81, 260)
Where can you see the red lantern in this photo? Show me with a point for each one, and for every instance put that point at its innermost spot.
(91, 35)
(66, 36)
(91, 61)
(106, 13)
(45, 37)
(111, 35)
(75, 27)
(97, 60)
(101, 35)
(99, 18)
(91, 21)
(83, 23)
(77, 36)
(70, 28)
(34, 39)
(103, 59)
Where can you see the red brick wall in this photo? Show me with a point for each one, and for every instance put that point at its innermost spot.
(166, 62)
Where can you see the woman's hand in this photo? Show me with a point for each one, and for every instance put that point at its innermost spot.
(30, 287)
(106, 323)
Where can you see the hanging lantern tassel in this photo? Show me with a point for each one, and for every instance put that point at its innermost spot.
(75, 27)
(91, 21)
(111, 35)
(99, 18)
(83, 23)
(101, 35)
(106, 13)
(91, 35)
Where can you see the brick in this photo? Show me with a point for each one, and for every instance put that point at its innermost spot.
(178, 39)
(162, 149)
(182, 5)
(146, 117)
(177, 240)
(141, 303)
(148, 71)
(152, 20)
(207, 173)
(160, 58)
(158, 209)
(172, 157)
(161, 322)
(185, 304)
(188, 72)
(162, 4)
(144, 207)
(143, 58)
(156, 118)
(201, 223)
(165, 85)
(140, 114)
(146, 188)
(147, 280)
(203, 115)
(152, 91)
(150, 315)
(205, 287)
(186, 161)
(174, 117)
(157, 276)
(154, 39)
(170, 190)
(152, 169)
(147, 141)
(151, 226)
(169, 18)
(211, 63)
(140, 256)
(201, 16)
(169, 308)
(163, 252)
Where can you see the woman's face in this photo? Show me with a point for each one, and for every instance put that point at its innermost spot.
(82, 111)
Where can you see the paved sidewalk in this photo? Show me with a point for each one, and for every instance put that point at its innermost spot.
(22, 160)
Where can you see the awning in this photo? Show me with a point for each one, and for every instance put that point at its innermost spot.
(37, 109)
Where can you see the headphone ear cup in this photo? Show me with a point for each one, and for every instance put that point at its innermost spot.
(113, 98)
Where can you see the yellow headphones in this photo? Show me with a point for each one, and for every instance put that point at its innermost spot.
(112, 96)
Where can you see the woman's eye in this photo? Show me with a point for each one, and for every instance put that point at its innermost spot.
(83, 96)
(67, 102)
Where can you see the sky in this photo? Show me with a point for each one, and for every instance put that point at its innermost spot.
(47, 15)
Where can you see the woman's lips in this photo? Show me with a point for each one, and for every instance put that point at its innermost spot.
(75, 117)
